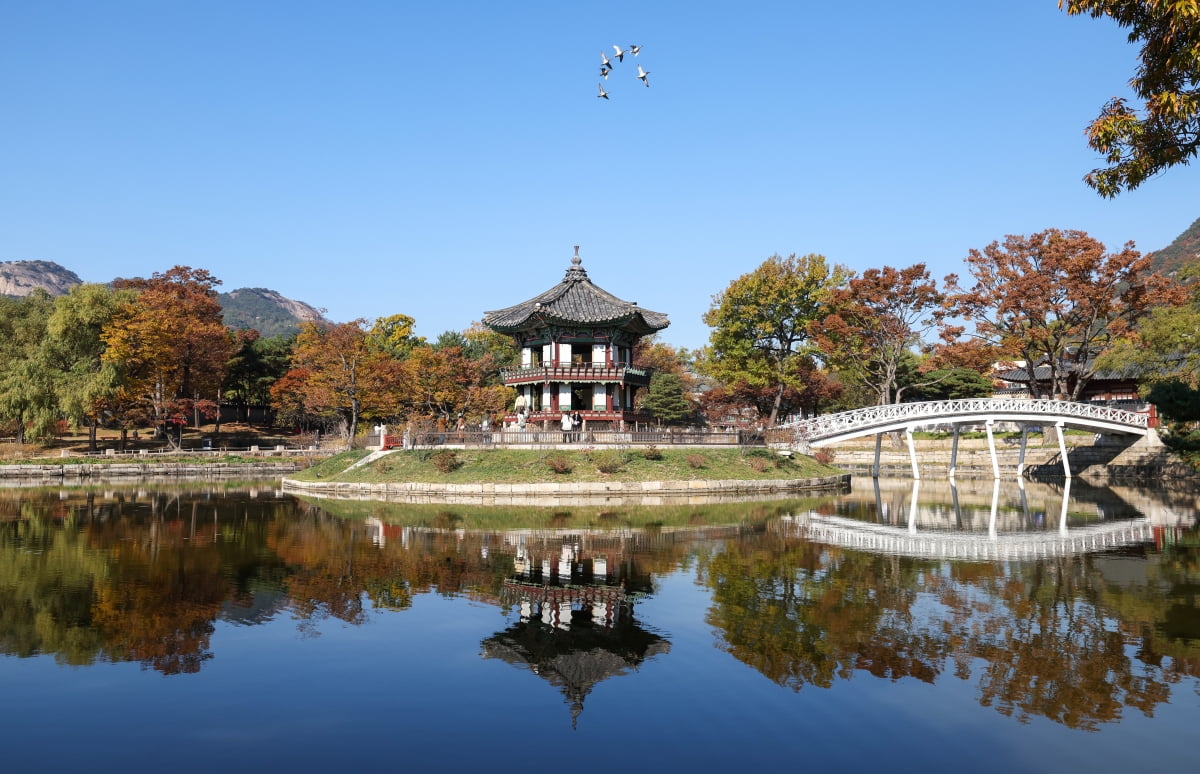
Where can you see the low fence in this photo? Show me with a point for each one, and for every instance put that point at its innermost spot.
(555, 438)
(213, 451)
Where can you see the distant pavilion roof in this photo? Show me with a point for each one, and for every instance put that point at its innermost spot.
(576, 301)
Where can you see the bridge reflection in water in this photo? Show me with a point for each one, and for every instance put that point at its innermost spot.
(937, 531)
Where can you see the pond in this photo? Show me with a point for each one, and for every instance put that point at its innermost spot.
(216, 627)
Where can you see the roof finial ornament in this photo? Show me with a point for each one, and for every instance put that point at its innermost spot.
(576, 272)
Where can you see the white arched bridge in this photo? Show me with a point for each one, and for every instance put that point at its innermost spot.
(824, 430)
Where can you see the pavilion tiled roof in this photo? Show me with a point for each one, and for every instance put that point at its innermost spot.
(576, 301)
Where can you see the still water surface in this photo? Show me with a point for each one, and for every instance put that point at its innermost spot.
(228, 629)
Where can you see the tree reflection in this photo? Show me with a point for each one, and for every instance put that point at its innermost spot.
(145, 577)
(1045, 639)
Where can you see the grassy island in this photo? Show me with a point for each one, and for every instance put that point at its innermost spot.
(526, 466)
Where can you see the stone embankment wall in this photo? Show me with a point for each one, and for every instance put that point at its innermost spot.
(570, 488)
(1101, 457)
(79, 473)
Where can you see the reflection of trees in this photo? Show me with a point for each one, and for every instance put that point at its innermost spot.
(1049, 650)
(129, 578)
(146, 577)
(46, 580)
(803, 614)
(1054, 639)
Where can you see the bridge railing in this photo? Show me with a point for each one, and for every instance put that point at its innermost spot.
(964, 408)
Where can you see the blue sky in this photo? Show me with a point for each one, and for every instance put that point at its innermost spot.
(441, 159)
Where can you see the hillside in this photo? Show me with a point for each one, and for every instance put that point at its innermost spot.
(264, 310)
(1185, 249)
(20, 278)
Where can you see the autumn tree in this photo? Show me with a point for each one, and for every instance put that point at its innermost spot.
(761, 323)
(170, 344)
(1056, 298)
(1139, 143)
(337, 374)
(875, 322)
(740, 402)
(445, 383)
(394, 335)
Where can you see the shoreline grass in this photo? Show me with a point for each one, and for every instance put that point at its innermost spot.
(526, 466)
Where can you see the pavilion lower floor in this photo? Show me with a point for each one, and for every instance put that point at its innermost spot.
(592, 420)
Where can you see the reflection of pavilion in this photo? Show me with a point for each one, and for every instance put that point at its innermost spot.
(576, 624)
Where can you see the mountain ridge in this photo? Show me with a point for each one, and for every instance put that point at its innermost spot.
(265, 310)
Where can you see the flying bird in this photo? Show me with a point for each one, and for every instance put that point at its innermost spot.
(603, 94)
(604, 61)
(620, 54)
(642, 76)
(634, 49)
(604, 71)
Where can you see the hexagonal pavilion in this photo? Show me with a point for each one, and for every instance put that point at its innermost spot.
(576, 342)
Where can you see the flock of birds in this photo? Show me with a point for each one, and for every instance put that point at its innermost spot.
(606, 66)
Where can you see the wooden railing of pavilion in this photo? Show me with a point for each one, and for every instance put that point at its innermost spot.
(579, 372)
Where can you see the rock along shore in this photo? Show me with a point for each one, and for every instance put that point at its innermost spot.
(569, 488)
(84, 472)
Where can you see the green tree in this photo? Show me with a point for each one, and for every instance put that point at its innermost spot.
(85, 384)
(1176, 401)
(952, 384)
(761, 323)
(27, 397)
(665, 399)
(257, 364)
(1138, 144)
(1165, 346)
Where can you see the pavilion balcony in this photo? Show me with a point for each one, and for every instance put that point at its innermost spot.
(579, 372)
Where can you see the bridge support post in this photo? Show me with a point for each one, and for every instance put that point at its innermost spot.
(954, 452)
(912, 507)
(992, 448)
(1062, 449)
(878, 445)
(1024, 443)
(1062, 519)
(995, 508)
(912, 453)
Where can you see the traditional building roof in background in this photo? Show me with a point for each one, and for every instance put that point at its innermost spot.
(1041, 373)
(576, 301)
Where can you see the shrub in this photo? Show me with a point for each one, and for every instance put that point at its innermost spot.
(823, 456)
(652, 453)
(608, 461)
(558, 463)
(759, 464)
(696, 460)
(445, 461)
